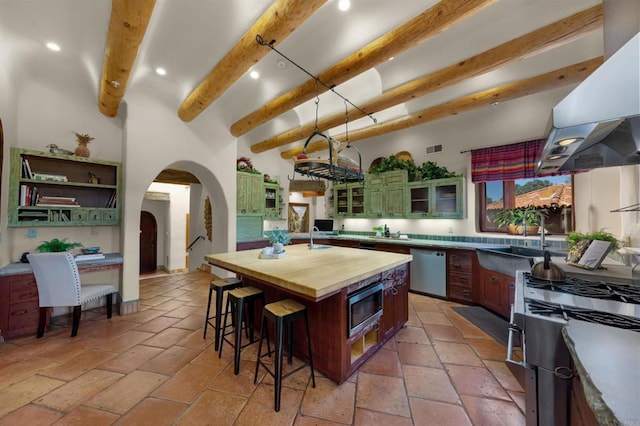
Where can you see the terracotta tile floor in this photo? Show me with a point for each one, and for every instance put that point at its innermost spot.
(154, 367)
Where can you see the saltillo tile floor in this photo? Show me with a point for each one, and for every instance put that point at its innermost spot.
(154, 367)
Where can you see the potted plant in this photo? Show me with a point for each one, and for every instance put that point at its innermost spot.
(278, 238)
(56, 245)
(575, 237)
(378, 230)
(516, 219)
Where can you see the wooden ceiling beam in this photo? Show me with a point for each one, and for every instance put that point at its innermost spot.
(535, 42)
(551, 80)
(279, 20)
(128, 23)
(429, 23)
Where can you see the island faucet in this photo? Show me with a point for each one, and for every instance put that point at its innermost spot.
(313, 228)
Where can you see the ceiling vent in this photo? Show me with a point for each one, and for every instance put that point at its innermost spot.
(433, 149)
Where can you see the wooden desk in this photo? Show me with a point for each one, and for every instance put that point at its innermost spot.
(19, 308)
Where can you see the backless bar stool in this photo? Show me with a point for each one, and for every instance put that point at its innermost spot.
(236, 299)
(282, 313)
(219, 287)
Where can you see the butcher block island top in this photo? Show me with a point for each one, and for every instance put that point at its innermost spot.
(316, 273)
(356, 299)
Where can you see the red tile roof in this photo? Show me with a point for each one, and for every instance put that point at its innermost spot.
(560, 194)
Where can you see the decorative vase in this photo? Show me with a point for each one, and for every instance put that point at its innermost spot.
(83, 140)
(82, 150)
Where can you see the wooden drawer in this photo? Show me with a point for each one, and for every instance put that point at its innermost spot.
(460, 279)
(23, 290)
(23, 318)
(460, 261)
(460, 293)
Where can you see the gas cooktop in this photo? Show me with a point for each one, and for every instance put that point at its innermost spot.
(608, 303)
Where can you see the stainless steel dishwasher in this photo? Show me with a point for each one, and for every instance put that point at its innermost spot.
(429, 272)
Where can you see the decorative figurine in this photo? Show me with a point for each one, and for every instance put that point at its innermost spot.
(53, 148)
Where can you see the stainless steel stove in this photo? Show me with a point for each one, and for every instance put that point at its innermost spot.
(540, 310)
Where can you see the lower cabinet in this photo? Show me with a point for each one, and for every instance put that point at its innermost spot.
(19, 308)
(396, 301)
(496, 292)
(460, 272)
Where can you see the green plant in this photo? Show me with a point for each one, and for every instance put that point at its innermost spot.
(392, 163)
(278, 235)
(518, 216)
(574, 237)
(428, 170)
(378, 228)
(56, 245)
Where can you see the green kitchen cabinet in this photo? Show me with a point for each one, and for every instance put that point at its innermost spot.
(249, 193)
(436, 199)
(349, 200)
(271, 201)
(48, 189)
(386, 194)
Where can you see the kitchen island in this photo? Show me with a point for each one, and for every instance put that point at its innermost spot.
(325, 280)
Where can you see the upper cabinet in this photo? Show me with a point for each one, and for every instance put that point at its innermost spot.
(438, 198)
(249, 193)
(387, 194)
(62, 190)
(349, 200)
(272, 200)
(391, 195)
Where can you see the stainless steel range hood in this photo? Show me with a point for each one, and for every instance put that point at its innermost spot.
(602, 114)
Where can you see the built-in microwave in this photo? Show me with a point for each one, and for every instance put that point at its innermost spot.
(364, 307)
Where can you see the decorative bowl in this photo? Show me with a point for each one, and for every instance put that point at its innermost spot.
(91, 250)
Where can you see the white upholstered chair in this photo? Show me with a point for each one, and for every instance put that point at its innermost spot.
(58, 282)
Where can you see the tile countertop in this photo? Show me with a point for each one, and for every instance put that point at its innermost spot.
(608, 362)
(407, 242)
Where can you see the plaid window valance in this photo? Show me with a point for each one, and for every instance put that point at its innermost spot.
(506, 162)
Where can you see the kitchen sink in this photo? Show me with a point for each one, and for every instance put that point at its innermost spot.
(507, 260)
(526, 251)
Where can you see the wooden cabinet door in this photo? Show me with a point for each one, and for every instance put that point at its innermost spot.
(447, 198)
(396, 201)
(375, 201)
(491, 291)
(256, 189)
(341, 200)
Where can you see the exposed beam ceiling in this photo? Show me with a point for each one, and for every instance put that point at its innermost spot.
(538, 41)
(280, 20)
(429, 23)
(128, 23)
(176, 176)
(551, 80)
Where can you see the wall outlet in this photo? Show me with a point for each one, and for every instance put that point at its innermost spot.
(32, 233)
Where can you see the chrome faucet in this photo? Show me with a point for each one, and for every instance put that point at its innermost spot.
(313, 228)
(542, 232)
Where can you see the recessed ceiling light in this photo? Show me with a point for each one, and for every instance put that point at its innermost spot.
(568, 141)
(344, 5)
(53, 46)
(254, 75)
(495, 104)
(391, 58)
(161, 71)
(556, 157)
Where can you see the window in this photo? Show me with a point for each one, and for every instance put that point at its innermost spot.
(552, 195)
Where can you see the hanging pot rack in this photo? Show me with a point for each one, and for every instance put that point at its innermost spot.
(318, 168)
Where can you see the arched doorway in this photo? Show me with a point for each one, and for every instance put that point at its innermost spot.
(148, 243)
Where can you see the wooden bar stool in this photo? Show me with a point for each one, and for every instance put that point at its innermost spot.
(236, 299)
(219, 286)
(282, 313)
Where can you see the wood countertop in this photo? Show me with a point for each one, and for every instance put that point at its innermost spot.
(314, 273)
